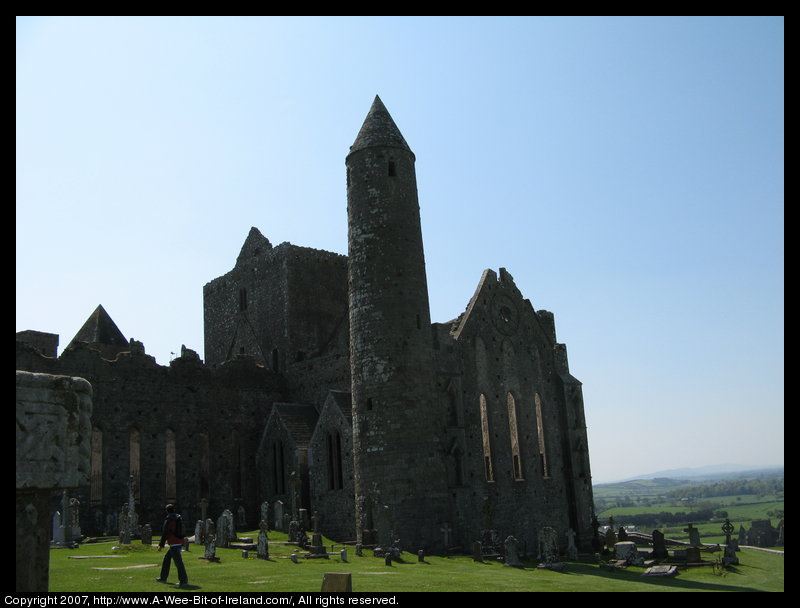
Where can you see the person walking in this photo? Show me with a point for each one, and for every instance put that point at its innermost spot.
(172, 535)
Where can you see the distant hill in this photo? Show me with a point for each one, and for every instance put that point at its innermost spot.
(716, 471)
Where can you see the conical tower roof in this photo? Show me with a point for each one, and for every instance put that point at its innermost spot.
(379, 130)
(100, 329)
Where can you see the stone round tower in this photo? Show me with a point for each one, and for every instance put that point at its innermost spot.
(400, 480)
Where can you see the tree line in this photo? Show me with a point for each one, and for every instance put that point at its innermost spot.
(731, 487)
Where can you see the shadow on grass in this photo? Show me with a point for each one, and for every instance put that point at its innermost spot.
(666, 582)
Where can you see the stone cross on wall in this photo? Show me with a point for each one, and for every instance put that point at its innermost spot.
(446, 531)
(294, 486)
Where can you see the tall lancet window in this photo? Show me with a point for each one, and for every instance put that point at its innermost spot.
(96, 467)
(516, 459)
(540, 430)
(171, 487)
(135, 451)
(487, 449)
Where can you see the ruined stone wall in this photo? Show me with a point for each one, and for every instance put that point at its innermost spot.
(280, 305)
(331, 486)
(207, 414)
(508, 481)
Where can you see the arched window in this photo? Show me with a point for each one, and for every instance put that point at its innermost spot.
(171, 487)
(205, 471)
(540, 431)
(334, 441)
(134, 452)
(278, 475)
(487, 450)
(96, 467)
(516, 458)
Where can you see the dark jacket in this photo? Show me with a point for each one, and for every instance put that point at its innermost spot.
(172, 531)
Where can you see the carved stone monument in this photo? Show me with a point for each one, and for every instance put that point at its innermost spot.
(53, 427)
(512, 553)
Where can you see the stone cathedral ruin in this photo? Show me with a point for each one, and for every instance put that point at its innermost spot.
(327, 387)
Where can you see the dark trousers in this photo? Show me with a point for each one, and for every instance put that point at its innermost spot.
(174, 553)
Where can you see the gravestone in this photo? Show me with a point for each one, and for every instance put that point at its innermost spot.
(74, 519)
(225, 531)
(277, 513)
(477, 551)
(147, 535)
(729, 557)
(343, 555)
(359, 552)
(659, 545)
(124, 526)
(333, 582)
(304, 519)
(512, 553)
(490, 539)
(263, 541)
(622, 534)
(727, 529)
(693, 555)
(287, 522)
(611, 539)
(210, 552)
(694, 536)
(548, 549)
(626, 551)
(572, 550)
(241, 518)
(421, 556)
(661, 571)
(53, 430)
(742, 535)
(133, 517)
(199, 533)
(446, 531)
(58, 529)
(734, 544)
(265, 513)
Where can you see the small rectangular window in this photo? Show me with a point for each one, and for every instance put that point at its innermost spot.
(392, 169)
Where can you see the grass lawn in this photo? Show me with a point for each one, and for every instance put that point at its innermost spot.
(133, 568)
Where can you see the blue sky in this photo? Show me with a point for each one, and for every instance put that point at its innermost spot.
(628, 172)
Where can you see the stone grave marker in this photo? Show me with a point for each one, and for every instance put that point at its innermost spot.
(477, 551)
(277, 513)
(147, 534)
(659, 545)
(265, 513)
(334, 582)
(729, 558)
(694, 536)
(225, 531)
(263, 541)
(693, 555)
(661, 571)
(611, 539)
(548, 549)
(572, 550)
(512, 553)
